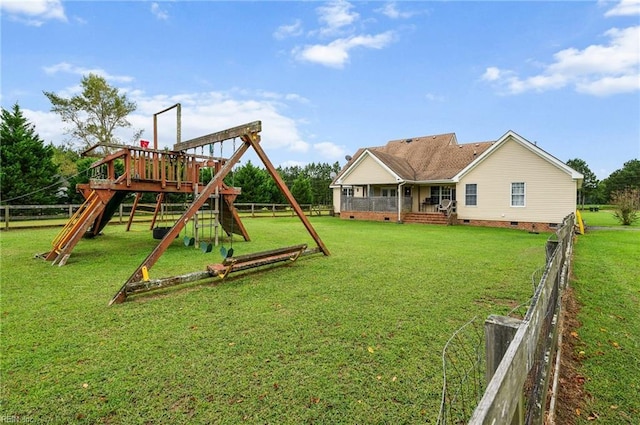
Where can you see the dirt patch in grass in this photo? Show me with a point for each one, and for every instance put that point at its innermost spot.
(571, 393)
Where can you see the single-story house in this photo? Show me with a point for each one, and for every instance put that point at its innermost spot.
(509, 182)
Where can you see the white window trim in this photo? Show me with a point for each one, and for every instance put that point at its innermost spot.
(465, 195)
(524, 195)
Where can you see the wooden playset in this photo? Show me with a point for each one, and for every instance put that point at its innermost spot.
(176, 171)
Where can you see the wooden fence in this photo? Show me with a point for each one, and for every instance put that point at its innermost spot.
(55, 215)
(520, 354)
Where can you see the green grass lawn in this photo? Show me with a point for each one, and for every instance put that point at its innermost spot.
(604, 218)
(355, 337)
(607, 285)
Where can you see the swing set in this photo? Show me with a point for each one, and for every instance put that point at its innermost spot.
(220, 199)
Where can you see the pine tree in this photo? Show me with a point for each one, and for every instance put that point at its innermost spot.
(28, 175)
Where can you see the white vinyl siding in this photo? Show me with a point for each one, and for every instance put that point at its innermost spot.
(471, 194)
(518, 194)
(369, 171)
(550, 192)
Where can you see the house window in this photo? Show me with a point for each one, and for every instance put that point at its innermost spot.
(389, 192)
(347, 191)
(471, 195)
(517, 194)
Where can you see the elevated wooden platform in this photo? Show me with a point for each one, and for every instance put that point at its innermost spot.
(144, 171)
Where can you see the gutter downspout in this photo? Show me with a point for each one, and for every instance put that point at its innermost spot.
(400, 200)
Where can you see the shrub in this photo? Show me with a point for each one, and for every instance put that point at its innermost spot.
(627, 202)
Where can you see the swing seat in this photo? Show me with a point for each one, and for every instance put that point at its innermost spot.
(258, 259)
(189, 241)
(160, 232)
(206, 247)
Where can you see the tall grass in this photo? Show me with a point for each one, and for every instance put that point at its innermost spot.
(607, 286)
(355, 337)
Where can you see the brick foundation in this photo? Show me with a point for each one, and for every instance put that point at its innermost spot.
(522, 225)
(393, 217)
(369, 216)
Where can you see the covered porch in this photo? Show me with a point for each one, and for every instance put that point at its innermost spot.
(416, 203)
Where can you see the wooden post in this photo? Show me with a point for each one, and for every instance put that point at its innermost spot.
(6, 217)
(550, 248)
(499, 332)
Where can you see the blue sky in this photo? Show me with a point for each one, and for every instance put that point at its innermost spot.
(326, 78)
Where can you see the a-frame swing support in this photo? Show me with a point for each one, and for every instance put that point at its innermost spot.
(249, 134)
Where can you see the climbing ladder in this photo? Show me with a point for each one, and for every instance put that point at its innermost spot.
(75, 228)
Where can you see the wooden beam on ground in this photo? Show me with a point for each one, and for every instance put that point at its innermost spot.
(239, 263)
(165, 282)
(239, 131)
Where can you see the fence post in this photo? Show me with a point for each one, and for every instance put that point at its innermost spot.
(6, 217)
(499, 332)
(550, 248)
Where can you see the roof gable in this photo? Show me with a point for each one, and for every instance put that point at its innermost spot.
(513, 136)
(365, 158)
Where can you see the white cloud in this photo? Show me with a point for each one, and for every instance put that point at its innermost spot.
(599, 69)
(491, 74)
(435, 97)
(390, 10)
(65, 67)
(286, 31)
(330, 151)
(337, 19)
(625, 8)
(282, 96)
(159, 12)
(335, 16)
(48, 125)
(336, 53)
(202, 113)
(33, 12)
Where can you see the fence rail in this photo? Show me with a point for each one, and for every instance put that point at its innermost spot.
(37, 215)
(517, 390)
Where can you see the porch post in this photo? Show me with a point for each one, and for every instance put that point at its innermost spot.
(400, 197)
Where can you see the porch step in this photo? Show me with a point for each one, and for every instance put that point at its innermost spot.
(425, 218)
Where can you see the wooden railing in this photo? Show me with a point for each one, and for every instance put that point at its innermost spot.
(155, 165)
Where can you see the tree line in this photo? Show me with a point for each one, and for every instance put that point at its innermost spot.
(35, 173)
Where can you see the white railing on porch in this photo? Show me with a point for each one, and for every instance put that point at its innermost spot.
(374, 203)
